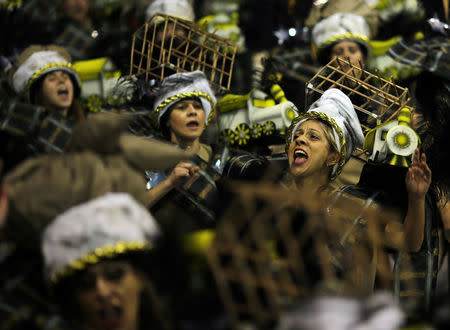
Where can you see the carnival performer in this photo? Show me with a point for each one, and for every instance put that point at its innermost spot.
(43, 75)
(94, 262)
(101, 158)
(321, 141)
(37, 115)
(342, 35)
(345, 36)
(48, 89)
(431, 121)
(184, 105)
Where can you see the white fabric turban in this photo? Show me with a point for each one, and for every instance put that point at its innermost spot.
(186, 85)
(339, 27)
(177, 8)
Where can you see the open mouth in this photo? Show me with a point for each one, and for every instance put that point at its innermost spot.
(63, 92)
(111, 317)
(300, 157)
(193, 124)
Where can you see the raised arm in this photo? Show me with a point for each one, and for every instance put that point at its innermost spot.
(409, 235)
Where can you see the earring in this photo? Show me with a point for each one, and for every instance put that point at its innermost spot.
(330, 163)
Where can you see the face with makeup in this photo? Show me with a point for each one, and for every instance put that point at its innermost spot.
(186, 121)
(310, 152)
(57, 91)
(108, 296)
(349, 50)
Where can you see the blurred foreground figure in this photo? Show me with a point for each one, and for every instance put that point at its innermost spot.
(94, 257)
(102, 158)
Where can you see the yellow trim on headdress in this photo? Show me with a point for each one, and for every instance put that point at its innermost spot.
(41, 70)
(186, 95)
(105, 252)
(343, 37)
(324, 117)
(12, 4)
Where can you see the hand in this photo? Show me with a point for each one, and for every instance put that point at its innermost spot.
(418, 177)
(181, 172)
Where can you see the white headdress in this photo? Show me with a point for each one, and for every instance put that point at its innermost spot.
(336, 109)
(378, 311)
(185, 85)
(338, 27)
(178, 8)
(39, 63)
(105, 227)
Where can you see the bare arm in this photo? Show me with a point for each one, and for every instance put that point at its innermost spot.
(181, 172)
(3, 201)
(409, 235)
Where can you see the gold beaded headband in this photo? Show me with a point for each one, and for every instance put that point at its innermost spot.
(101, 253)
(343, 37)
(186, 95)
(46, 67)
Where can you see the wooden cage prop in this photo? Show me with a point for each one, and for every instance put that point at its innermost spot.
(379, 100)
(258, 258)
(166, 44)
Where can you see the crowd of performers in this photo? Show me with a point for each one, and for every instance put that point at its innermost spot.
(310, 193)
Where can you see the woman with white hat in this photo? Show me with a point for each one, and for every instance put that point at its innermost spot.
(95, 257)
(38, 119)
(43, 75)
(184, 106)
(320, 142)
(342, 35)
(346, 37)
